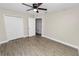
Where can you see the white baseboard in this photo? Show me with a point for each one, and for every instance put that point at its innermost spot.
(14, 39)
(51, 39)
(26, 36)
(73, 46)
(31, 35)
(4, 42)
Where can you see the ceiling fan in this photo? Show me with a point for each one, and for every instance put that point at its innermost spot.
(35, 7)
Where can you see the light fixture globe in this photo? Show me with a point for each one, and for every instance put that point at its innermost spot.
(35, 10)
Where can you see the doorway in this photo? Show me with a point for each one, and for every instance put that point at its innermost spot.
(38, 26)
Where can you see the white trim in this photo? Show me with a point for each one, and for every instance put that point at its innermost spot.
(4, 41)
(26, 35)
(50, 39)
(31, 36)
(73, 46)
(12, 39)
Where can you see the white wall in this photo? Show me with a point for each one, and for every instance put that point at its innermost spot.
(63, 26)
(2, 29)
(31, 26)
(3, 12)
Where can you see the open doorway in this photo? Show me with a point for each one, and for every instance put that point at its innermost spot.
(38, 26)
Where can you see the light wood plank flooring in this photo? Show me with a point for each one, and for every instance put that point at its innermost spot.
(36, 46)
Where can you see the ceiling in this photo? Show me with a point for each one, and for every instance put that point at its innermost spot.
(51, 7)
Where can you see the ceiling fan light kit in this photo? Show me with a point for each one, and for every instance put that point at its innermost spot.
(35, 10)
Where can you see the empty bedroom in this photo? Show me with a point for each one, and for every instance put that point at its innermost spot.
(39, 29)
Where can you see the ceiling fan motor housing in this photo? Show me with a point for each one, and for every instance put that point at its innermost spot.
(35, 6)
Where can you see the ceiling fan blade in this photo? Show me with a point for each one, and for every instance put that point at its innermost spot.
(29, 9)
(39, 4)
(42, 9)
(26, 5)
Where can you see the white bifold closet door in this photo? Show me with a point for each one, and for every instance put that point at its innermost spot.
(14, 27)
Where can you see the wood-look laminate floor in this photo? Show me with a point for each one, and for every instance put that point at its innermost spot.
(36, 46)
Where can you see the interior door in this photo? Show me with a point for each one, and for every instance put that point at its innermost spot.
(38, 25)
(31, 26)
(14, 27)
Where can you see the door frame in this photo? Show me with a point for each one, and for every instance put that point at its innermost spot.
(41, 25)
